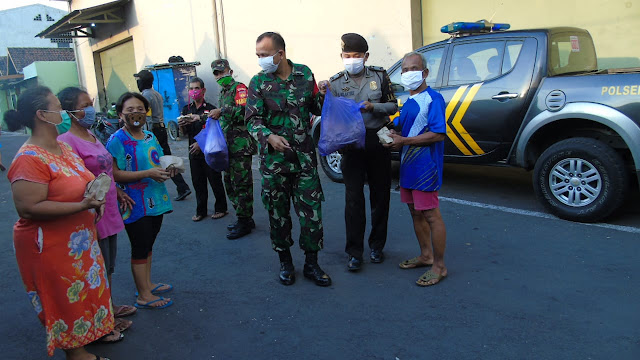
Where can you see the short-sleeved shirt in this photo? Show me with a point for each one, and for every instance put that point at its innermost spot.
(421, 166)
(130, 154)
(375, 87)
(156, 105)
(98, 160)
(192, 129)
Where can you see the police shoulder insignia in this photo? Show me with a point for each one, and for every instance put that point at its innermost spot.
(376, 68)
(336, 76)
(373, 85)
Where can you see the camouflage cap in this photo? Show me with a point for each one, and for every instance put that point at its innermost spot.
(353, 42)
(219, 65)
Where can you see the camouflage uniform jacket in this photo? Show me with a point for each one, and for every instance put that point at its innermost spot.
(283, 107)
(233, 99)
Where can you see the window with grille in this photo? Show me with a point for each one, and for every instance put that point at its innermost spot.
(49, 18)
(38, 18)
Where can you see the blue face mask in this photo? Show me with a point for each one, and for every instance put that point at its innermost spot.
(64, 125)
(89, 117)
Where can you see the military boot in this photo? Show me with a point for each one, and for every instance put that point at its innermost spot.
(287, 272)
(313, 271)
(231, 226)
(243, 227)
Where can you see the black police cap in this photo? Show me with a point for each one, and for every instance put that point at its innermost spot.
(352, 42)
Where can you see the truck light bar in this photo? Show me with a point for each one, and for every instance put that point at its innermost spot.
(473, 27)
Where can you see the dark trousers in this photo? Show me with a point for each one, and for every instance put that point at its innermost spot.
(161, 134)
(200, 174)
(142, 235)
(373, 163)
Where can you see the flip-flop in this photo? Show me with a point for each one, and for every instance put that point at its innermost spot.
(219, 215)
(122, 324)
(412, 263)
(196, 218)
(101, 358)
(155, 290)
(123, 311)
(150, 307)
(428, 276)
(103, 341)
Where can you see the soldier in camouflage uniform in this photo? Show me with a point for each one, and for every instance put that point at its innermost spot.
(238, 178)
(281, 98)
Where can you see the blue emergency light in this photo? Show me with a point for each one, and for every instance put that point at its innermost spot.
(473, 27)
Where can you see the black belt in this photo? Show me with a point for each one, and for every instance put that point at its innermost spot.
(159, 124)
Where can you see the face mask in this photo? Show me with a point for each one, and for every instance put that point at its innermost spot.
(196, 94)
(267, 65)
(353, 65)
(64, 125)
(412, 79)
(89, 117)
(225, 80)
(135, 120)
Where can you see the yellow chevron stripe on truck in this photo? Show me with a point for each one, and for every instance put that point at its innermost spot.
(452, 105)
(460, 114)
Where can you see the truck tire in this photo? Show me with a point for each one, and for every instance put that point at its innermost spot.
(331, 166)
(580, 179)
(173, 130)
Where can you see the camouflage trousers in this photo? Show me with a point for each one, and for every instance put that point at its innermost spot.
(304, 189)
(238, 180)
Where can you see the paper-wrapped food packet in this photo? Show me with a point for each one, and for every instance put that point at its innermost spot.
(170, 161)
(383, 136)
(98, 187)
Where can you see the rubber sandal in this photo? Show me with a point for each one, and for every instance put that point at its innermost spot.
(103, 341)
(101, 358)
(219, 215)
(428, 276)
(123, 311)
(196, 218)
(412, 264)
(150, 307)
(155, 290)
(122, 325)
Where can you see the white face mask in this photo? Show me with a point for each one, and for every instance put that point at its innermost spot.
(412, 79)
(353, 65)
(267, 65)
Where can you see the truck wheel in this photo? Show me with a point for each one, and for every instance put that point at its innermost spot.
(331, 166)
(173, 131)
(580, 179)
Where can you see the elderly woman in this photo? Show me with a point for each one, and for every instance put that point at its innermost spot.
(97, 159)
(136, 167)
(55, 238)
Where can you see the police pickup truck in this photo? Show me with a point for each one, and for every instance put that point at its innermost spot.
(535, 99)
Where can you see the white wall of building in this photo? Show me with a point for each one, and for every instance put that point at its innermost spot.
(311, 29)
(18, 27)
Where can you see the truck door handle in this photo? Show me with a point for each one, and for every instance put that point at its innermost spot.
(504, 96)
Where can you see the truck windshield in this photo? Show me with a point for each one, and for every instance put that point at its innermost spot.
(571, 52)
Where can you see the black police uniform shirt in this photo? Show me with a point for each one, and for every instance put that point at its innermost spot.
(192, 129)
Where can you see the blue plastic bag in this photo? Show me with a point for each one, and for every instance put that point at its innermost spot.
(213, 145)
(341, 124)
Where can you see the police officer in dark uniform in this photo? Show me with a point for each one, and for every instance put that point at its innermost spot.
(370, 84)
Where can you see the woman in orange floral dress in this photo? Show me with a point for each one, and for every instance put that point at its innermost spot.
(55, 239)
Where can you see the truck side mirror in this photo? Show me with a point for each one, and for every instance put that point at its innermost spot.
(396, 88)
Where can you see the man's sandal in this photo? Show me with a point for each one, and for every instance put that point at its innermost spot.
(427, 278)
(413, 263)
(219, 215)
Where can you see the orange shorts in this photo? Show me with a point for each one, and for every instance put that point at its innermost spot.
(421, 200)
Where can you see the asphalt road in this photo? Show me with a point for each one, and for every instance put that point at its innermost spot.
(521, 285)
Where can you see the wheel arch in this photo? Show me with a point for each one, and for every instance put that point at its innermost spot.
(547, 128)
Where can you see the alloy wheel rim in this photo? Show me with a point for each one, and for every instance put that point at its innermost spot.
(575, 182)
